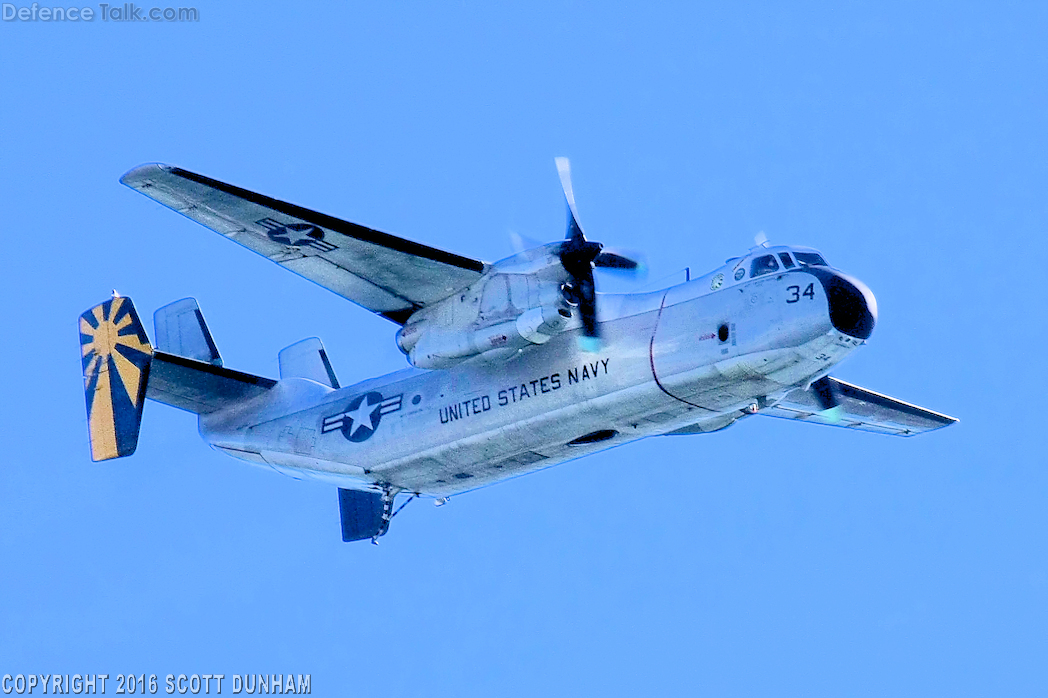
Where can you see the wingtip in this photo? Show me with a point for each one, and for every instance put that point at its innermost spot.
(143, 173)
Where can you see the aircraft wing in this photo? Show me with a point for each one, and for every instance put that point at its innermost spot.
(386, 274)
(861, 409)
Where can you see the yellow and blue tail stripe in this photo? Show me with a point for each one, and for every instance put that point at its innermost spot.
(116, 356)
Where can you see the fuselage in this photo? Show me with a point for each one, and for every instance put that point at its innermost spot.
(691, 358)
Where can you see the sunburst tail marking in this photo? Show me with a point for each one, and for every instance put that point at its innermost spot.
(115, 354)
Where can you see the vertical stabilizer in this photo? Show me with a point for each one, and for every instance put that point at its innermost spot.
(181, 330)
(116, 357)
(308, 359)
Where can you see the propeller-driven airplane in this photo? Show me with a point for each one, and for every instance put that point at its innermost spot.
(516, 365)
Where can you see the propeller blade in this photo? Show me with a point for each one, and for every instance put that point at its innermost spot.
(617, 261)
(579, 256)
(521, 243)
(586, 292)
(574, 229)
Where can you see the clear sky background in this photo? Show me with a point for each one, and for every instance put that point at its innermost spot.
(907, 141)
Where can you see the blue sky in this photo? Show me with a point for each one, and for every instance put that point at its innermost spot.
(906, 141)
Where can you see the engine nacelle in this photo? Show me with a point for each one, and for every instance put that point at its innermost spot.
(440, 348)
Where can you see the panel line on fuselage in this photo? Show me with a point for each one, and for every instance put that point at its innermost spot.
(651, 355)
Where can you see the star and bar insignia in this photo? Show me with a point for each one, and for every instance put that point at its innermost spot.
(363, 415)
(296, 234)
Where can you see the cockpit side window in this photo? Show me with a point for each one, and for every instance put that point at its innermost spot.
(763, 265)
(813, 259)
(787, 263)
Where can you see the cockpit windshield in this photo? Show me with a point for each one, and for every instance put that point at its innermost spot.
(765, 264)
(811, 259)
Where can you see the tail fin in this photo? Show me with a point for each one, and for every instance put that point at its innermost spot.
(307, 359)
(179, 329)
(116, 357)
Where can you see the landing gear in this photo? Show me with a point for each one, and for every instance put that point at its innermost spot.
(389, 493)
(366, 514)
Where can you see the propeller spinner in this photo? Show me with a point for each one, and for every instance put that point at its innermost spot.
(580, 256)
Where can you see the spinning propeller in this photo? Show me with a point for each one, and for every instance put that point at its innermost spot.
(579, 257)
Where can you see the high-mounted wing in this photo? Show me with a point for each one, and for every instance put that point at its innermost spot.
(858, 408)
(386, 274)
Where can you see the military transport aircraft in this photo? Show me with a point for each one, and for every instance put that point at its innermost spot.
(516, 365)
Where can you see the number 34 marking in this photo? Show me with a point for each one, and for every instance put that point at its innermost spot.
(795, 293)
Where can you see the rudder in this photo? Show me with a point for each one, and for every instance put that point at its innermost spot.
(116, 356)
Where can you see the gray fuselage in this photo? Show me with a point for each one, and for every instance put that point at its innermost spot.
(688, 359)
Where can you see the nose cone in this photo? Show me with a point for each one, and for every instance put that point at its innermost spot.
(853, 309)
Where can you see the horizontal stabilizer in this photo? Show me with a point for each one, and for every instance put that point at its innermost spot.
(856, 408)
(364, 514)
(116, 361)
(308, 359)
(181, 330)
(200, 387)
